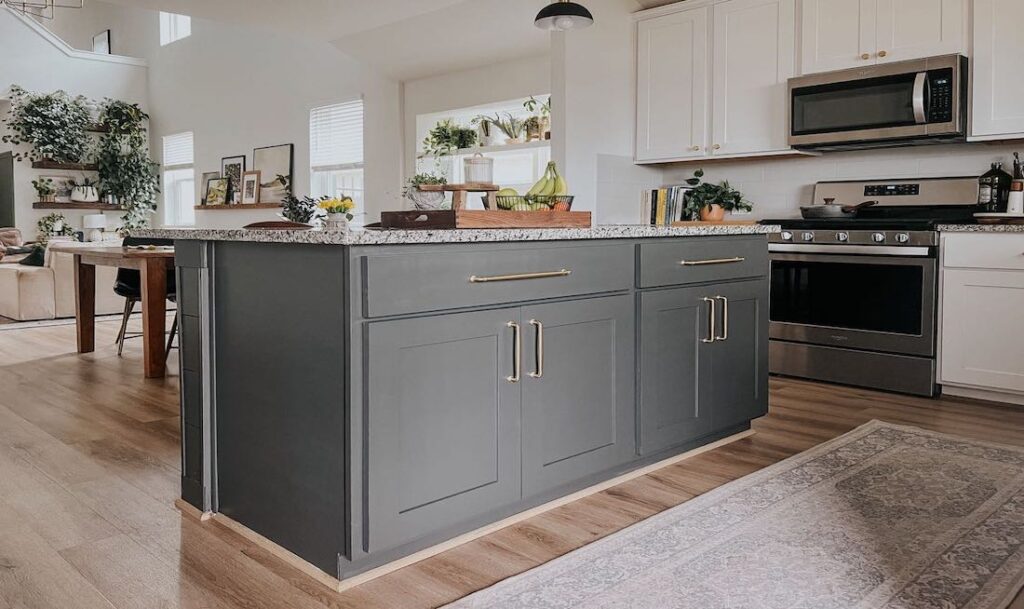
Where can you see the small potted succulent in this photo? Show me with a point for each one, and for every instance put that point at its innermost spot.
(339, 212)
(511, 126)
(84, 191)
(45, 190)
(709, 202)
(487, 133)
(425, 199)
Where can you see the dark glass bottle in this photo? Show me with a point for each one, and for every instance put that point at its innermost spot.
(994, 189)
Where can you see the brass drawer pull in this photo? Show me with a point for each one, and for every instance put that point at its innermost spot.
(725, 317)
(521, 276)
(712, 334)
(538, 349)
(517, 352)
(712, 261)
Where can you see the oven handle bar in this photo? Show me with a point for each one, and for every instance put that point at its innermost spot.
(875, 250)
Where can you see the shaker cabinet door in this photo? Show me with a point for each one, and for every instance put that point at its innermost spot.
(675, 363)
(739, 367)
(838, 34)
(915, 29)
(672, 86)
(998, 54)
(443, 423)
(578, 390)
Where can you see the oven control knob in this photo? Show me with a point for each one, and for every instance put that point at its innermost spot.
(842, 237)
(808, 236)
(878, 237)
(787, 236)
(902, 237)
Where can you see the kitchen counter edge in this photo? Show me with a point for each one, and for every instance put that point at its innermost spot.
(980, 228)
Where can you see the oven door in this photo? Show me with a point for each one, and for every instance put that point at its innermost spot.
(877, 303)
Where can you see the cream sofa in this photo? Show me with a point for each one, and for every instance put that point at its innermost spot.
(29, 293)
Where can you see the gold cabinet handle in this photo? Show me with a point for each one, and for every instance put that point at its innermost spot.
(538, 349)
(865, 56)
(725, 318)
(695, 148)
(711, 321)
(711, 261)
(520, 276)
(517, 352)
(717, 147)
(883, 53)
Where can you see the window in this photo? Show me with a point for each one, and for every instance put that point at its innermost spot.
(336, 150)
(174, 27)
(179, 188)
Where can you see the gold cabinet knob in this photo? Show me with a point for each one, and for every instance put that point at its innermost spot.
(695, 148)
(883, 53)
(716, 147)
(865, 56)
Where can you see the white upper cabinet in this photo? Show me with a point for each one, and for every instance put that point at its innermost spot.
(838, 34)
(998, 92)
(754, 57)
(672, 88)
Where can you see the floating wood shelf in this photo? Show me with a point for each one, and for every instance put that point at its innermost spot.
(239, 207)
(67, 166)
(73, 205)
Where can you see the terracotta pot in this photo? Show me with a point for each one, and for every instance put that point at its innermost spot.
(713, 213)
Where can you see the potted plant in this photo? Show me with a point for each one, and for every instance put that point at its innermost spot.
(542, 110)
(304, 211)
(709, 202)
(511, 126)
(54, 125)
(53, 225)
(446, 137)
(532, 127)
(45, 190)
(84, 191)
(425, 199)
(486, 131)
(128, 175)
(339, 212)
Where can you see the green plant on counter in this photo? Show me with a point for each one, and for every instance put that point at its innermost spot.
(306, 210)
(126, 171)
(53, 225)
(705, 195)
(446, 137)
(421, 179)
(54, 125)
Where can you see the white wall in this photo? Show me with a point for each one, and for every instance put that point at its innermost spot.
(78, 26)
(518, 78)
(36, 62)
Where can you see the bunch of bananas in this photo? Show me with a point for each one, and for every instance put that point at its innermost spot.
(550, 184)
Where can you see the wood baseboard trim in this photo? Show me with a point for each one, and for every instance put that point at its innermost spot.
(341, 585)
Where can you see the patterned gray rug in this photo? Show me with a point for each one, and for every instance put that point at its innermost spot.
(883, 517)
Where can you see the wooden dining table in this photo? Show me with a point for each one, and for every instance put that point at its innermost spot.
(154, 266)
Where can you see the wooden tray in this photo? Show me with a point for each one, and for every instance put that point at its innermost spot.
(476, 218)
(722, 223)
(277, 225)
(1004, 220)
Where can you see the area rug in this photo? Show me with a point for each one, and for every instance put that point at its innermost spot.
(883, 517)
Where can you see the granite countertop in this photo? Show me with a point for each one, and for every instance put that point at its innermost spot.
(412, 237)
(980, 228)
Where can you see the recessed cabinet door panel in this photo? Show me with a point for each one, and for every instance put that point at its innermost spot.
(836, 34)
(578, 414)
(754, 57)
(443, 423)
(739, 367)
(672, 87)
(998, 55)
(914, 29)
(674, 398)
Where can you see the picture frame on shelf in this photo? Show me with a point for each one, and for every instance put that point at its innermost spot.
(217, 191)
(275, 164)
(101, 43)
(207, 176)
(251, 187)
(232, 168)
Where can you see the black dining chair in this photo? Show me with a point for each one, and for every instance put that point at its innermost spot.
(129, 285)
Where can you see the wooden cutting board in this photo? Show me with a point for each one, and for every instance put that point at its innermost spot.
(477, 218)
(722, 223)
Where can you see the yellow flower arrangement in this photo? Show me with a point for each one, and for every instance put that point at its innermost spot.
(343, 205)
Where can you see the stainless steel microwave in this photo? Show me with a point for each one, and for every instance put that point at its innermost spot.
(909, 102)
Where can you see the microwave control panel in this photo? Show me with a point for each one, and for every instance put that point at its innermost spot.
(940, 106)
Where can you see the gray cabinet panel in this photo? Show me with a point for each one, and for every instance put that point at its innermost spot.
(730, 258)
(674, 403)
(191, 343)
(443, 423)
(401, 283)
(579, 416)
(188, 291)
(739, 367)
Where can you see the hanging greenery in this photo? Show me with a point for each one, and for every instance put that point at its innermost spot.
(126, 171)
(54, 125)
(446, 137)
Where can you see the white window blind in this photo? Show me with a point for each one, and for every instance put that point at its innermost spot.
(178, 149)
(336, 136)
(174, 27)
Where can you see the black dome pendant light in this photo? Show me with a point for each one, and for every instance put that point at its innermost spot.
(563, 15)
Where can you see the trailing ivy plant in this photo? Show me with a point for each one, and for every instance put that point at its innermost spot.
(53, 125)
(126, 171)
(446, 137)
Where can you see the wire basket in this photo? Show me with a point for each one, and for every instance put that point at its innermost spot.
(534, 203)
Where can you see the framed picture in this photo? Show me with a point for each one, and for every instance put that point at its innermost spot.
(250, 188)
(101, 43)
(217, 191)
(232, 168)
(62, 187)
(275, 166)
(207, 176)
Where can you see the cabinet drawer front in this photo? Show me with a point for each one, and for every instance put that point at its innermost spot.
(984, 251)
(426, 280)
(702, 259)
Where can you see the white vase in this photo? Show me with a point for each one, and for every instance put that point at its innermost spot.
(85, 194)
(336, 222)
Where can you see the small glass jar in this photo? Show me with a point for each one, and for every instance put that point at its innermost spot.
(479, 169)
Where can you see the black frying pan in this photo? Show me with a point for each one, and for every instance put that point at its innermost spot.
(831, 210)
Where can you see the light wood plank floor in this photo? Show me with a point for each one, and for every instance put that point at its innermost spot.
(89, 470)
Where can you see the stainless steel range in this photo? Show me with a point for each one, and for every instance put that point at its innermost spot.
(854, 300)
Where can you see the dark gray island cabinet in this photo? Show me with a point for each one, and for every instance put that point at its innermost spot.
(356, 402)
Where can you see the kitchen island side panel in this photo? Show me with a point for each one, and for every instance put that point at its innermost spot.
(281, 394)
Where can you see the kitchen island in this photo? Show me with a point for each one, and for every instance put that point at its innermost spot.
(358, 397)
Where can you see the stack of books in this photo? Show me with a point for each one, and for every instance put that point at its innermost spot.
(665, 205)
